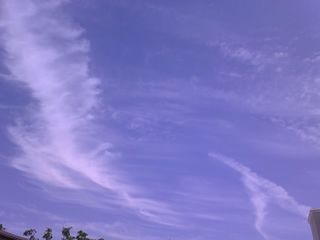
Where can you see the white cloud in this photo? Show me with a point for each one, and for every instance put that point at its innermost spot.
(262, 192)
(58, 140)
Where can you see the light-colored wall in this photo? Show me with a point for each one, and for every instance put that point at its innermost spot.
(314, 221)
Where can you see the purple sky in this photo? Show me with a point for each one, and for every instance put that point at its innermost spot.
(160, 120)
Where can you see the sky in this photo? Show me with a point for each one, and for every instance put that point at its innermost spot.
(160, 120)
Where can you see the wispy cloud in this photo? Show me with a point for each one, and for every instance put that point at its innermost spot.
(262, 192)
(59, 140)
(57, 74)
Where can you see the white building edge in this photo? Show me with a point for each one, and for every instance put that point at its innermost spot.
(314, 221)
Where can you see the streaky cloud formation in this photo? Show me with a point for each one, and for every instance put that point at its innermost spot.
(262, 192)
(108, 109)
(50, 58)
(48, 54)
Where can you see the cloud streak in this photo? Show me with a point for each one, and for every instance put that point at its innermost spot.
(56, 72)
(262, 192)
(58, 137)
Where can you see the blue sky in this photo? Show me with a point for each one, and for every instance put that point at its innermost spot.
(162, 119)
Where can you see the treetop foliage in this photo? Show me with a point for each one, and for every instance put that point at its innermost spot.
(48, 234)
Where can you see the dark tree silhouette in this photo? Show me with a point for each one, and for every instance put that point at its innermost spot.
(82, 235)
(2, 227)
(66, 233)
(30, 233)
(47, 235)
